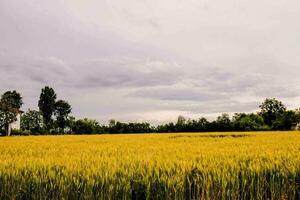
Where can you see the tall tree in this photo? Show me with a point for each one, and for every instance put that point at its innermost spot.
(10, 105)
(47, 106)
(62, 111)
(271, 109)
(181, 124)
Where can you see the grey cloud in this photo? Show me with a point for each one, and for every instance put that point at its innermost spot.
(109, 73)
(177, 94)
(212, 107)
(139, 73)
(145, 57)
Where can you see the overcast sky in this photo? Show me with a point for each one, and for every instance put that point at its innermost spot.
(152, 60)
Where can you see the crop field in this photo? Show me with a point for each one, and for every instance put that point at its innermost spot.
(254, 165)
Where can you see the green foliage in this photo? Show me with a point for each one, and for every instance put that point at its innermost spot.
(181, 120)
(21, 132)
(111, 123)
(200, 125)
(271, 109)
(10, 104)
(62, 111)
(223, 122)
(248, 122)
(47, 105)
(86, 126)
(12, 99)
(167, 128)
(32, 121)
(286, 120)
(7, 116)
(120, 127)
(70, 123)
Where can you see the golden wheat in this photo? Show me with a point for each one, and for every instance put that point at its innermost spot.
(252, 165)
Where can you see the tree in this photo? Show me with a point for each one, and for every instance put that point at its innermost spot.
(112, 123)
(70, 123)
(181, 124)
(62, 111)
(248, 122)
(203, 124)
(166, 128)
(32, 121)
(87, 126)
(223, 122)
(12, 100)
(47, 106)
(181, 120)
(271, 109)
(286, 120)
(10, 105)
(120, 127)
(200, 125)
(7, 116)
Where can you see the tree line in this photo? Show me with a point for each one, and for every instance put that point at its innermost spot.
(54, 117)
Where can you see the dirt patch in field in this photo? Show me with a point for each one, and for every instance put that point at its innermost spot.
(212, 136)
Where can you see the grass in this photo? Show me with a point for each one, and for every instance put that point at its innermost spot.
(254, 165)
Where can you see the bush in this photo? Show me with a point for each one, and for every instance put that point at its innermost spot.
(20, 132)
(87, 126)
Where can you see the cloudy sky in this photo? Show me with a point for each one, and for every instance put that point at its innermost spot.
(152, 60)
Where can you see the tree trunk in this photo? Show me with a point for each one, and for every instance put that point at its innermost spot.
(8, 129)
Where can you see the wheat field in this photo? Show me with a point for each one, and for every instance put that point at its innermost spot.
(254, 165)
